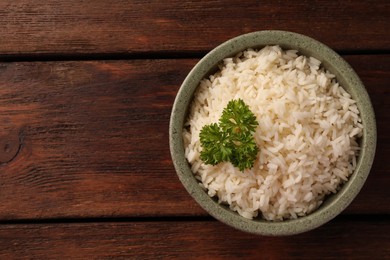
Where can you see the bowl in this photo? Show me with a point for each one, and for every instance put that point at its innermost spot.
(333, 204)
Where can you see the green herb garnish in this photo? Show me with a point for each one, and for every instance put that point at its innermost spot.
(232, 140)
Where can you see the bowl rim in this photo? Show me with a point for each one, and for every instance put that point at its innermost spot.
(347, 78)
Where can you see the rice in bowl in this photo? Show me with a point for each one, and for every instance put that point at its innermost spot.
(307, 133)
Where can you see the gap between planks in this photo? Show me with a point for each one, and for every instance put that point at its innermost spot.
(161, 55)
(343, 217)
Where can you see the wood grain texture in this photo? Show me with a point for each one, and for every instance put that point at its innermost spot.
(89, 27)
(92, 139)
(339, 239)
(90, 131)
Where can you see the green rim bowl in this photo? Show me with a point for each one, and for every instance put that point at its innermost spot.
(346, 76)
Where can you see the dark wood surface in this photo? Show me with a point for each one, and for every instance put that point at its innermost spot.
(189, 239)
(86, 91)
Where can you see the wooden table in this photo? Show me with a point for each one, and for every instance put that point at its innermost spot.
(86, 91)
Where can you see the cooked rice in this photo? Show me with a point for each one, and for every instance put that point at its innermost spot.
(307, 133)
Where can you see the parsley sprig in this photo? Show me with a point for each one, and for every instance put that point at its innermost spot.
(232, 140)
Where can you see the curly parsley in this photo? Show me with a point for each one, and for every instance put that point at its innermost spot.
(232, 140)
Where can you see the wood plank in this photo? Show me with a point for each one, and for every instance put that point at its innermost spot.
(89, 27)
(94, 139)
(91, 139)
(339, 239)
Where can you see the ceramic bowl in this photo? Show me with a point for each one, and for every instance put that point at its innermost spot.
(333, 204)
